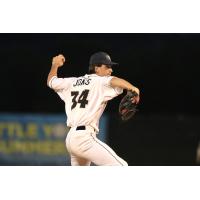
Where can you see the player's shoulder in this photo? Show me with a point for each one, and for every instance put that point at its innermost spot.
(89, 76)
(95, 76)
(102, 80)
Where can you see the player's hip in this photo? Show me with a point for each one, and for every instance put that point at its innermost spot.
(80, 138)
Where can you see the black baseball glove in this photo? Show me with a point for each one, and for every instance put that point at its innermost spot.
(128, 108)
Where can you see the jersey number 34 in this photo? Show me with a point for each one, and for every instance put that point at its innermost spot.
(82, 99)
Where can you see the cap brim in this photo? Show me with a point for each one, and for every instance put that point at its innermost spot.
(113, 63)
(110, 63)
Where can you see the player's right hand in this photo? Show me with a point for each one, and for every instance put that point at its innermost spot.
(58, 61)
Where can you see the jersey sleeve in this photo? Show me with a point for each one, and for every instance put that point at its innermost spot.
(110, 92)
(59, 84)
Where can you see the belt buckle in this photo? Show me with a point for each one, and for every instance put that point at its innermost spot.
(80, 128)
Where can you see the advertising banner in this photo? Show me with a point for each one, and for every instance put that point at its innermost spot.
(36, 139)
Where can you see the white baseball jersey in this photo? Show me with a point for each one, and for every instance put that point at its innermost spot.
(85, 97)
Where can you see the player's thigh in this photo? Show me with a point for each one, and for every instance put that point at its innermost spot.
(102, 154)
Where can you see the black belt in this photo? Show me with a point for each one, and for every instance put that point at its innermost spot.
(80, 128)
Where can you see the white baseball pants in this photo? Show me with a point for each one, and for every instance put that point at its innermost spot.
(84, 147)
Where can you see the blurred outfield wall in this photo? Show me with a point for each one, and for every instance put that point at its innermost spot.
(36, 139)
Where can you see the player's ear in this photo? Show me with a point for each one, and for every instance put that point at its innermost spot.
(96, 69)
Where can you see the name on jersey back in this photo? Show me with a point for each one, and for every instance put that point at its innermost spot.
(82, 81)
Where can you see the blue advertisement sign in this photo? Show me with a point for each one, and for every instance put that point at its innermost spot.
(36, 139)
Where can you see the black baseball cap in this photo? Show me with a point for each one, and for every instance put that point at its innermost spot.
(101, 58)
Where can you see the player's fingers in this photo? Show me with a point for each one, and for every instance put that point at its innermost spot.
(136, 99)
(61, 57)
(133, 101)
(58, 60)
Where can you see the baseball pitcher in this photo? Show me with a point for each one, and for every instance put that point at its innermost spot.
(85, 99)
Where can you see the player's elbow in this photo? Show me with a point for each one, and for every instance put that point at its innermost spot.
(47, 83)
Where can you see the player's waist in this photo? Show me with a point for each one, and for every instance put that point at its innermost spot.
(83, 127)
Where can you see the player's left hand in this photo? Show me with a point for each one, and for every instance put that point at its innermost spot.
(135, 99)
(128, 105)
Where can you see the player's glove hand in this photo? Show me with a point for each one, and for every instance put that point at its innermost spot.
(128, 105)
